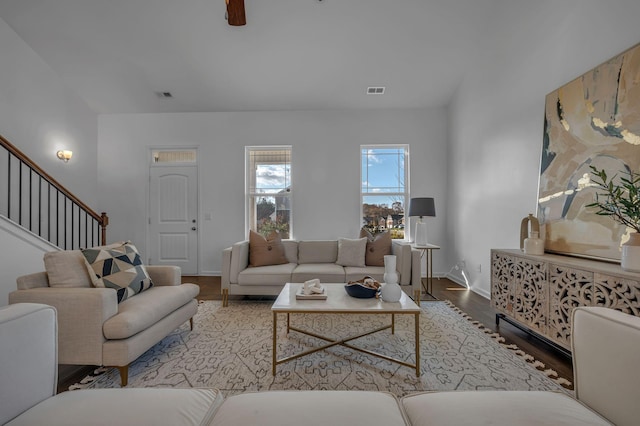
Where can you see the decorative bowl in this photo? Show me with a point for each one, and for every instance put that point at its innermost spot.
(360, 291)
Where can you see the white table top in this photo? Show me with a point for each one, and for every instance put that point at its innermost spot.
(426, 247)
(339, 301)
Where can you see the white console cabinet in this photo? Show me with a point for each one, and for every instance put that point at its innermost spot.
(538, 293)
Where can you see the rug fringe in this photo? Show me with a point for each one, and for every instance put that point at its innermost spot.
(538, 365)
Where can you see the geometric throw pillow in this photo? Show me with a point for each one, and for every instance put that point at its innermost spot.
(266, 251)
(377, 247)
(119, 268)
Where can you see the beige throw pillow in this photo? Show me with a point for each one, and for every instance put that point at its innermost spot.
(67, 268)
(351, 252)
(266, 251)
(377, 247)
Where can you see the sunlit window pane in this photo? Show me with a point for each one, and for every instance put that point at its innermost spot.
(269, 190)
(383, 188)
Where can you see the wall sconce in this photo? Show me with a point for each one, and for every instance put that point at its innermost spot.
(64, 155)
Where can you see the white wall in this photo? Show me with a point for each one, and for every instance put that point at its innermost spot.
(325, 168)
(496, 117)
(39, 115)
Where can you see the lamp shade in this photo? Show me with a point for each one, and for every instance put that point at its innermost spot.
(422, 207)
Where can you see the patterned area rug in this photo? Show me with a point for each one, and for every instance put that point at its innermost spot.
(230, 349)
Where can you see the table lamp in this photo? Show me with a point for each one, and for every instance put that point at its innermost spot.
(421, 207)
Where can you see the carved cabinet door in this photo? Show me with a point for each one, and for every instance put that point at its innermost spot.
(617, 293)
(502, 269)
(531, 294)
(568, 289)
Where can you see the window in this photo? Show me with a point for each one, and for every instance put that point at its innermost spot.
(268, 189)
(384, 181)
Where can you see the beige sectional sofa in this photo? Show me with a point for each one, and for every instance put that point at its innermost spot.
(309, 259)
(605, 348)
(96, 330)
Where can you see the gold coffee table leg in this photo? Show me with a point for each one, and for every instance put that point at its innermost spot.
(417, 337)
(273, 359)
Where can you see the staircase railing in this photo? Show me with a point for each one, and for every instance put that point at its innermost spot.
(37, 202)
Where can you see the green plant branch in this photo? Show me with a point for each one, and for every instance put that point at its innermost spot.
(619, 201)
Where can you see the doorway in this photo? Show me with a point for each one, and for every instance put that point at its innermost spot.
(173, 212)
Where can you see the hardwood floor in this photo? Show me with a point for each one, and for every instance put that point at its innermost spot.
(471, 303)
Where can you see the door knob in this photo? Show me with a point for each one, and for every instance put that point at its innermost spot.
(193, 229)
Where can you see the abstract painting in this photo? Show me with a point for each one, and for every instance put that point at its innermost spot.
(593, 120)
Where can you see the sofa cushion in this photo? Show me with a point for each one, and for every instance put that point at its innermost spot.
(125, 407)
(291, 250)
(351, 252)
(119, 268)
(266, 251)
(317, 251)
(325, 272)
(265, 275)
(140, 312)
(378, 247)
(497, 408)
(289, 408)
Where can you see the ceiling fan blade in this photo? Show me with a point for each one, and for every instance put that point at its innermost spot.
(235, 13)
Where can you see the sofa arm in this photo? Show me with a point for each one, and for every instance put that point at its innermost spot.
(81, 313)
(35, 280)
(165, 275)
(239, 260)
(226, 268)
(28, 364)
(402, 251)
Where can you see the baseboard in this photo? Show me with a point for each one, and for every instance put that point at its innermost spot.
(461, 282)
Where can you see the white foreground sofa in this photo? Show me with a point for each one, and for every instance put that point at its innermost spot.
(605, 347)
(309, 259)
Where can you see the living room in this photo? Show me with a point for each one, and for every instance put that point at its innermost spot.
(477, 153)
(475, 144)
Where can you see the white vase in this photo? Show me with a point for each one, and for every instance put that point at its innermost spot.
(391, 290)
(390, 274)
(630, 260)
(533, 244)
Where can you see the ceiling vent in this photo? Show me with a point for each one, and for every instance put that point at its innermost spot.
(375, 90)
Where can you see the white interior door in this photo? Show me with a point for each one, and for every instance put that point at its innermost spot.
(173, 214)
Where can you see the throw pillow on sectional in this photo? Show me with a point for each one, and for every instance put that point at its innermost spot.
(351, 252)
(378, 247)
(266, 251)
(118, 267)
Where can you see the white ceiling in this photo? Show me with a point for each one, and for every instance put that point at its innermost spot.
(291, 55)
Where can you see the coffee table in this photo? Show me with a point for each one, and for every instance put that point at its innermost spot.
(339, 302)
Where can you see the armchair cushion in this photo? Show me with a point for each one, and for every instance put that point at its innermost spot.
(119, 268)
(141, 312)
